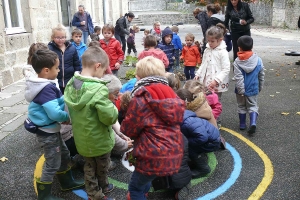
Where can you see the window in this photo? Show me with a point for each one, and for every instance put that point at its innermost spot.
(65, 7)
(13, 16)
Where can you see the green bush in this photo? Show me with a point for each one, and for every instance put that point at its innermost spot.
(130, 74)
(130, 61)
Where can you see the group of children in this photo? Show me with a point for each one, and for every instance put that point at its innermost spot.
(156, 117)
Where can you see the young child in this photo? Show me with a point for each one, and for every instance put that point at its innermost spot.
(203, 137)
(173, 80)
(250, 76)
(77, 43)
(206, 103)
(214, 70)
(191, 56)
(45, 111)
(96, 35)
(146, 32)
(150, 50)
(131, 40)
(177, 45)
(68, 57)
(154, 155)
(92, 115)
(156, 31)
(112, 47)
(168, 48)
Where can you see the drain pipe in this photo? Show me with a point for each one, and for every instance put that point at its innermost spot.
(104, 11)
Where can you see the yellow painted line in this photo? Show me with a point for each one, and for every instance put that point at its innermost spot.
(38, 171)
(269, 172)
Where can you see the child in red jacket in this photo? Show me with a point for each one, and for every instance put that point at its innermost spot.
(112, 47)
(153, 119)
(191, 56)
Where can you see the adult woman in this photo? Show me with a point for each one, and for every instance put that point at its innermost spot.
(122, 29)
(213, 15)
(240, 17)
(201, 15)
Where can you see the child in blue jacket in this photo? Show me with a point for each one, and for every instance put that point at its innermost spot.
(177, 45)
(77, 43)
(168, 47)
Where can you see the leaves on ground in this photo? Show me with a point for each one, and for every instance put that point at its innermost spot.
(3, 159)
(285, 113)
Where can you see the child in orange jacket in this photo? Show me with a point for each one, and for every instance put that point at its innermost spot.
(191, 56)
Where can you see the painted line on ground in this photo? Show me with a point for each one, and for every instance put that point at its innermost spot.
(269, 171)
(237, 167)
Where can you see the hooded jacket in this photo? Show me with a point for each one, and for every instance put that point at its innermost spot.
(114, 51)
(191, 55)
(249, 75)
(46, 104)
(203, 137)
(234, 17)
(215, 19)
(168, 49)
(153, 120)
(68, 62)
(156, 53)
(92, 115)
(215, 66)
(80, 49)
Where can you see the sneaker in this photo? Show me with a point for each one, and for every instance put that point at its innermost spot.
(112, 166)
(108, 189)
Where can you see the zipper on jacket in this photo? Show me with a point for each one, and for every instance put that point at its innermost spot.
(63, 67)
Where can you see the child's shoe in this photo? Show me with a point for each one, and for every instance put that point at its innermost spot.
(183, 193)
(67, 181)
(108, 189)
(201, 166)
(242, 118)
(253, 118)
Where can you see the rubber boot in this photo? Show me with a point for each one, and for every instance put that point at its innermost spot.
(67, 181)
(201, 166)
(253, 118)
(44, 191)
(242, 121)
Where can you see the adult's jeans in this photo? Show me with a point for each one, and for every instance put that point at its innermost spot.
(85, 35)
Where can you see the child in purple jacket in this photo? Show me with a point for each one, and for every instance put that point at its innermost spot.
(131, 40)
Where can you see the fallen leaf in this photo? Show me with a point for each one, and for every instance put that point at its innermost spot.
(271, 95)
(3, 159)
(284, 113)
(277, 92)
(297, 113)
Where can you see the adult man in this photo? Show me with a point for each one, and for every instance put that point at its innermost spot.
(83, 21)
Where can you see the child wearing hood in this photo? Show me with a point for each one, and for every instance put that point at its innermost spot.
(167, 46)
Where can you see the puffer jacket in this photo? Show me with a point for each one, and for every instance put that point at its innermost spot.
(156, 53)
(168, 49)
(191, 55)
(203, 137)
(202, 109)
(153, 120)
(114, 51)
(92, 115)
(234, 17)
(68, 62)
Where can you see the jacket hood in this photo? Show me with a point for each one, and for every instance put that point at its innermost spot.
(220, 47)
(197, 102)
(81, 45)
(78, 96)
(249, 64)
(167, 31)
(34, 86)
(200, 106)
(218, 16)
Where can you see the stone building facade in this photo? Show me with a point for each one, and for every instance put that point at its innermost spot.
(24, 22)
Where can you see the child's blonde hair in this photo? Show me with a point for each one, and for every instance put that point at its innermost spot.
(190, 35)
(150, 66)
(59, 28)
(135, 27)
(175, 29)
(147, 31)
(217, 31)
(173, 80)
(94, 55)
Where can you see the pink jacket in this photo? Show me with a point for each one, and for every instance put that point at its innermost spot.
(215, 104)
(157, 53)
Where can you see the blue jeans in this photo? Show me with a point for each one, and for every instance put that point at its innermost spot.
(85, 35)
(139, 185)
(189, 72)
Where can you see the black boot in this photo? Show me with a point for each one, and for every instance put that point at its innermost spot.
(253, 118)
(67, 181)
(184, 192)
(44, 191)
(242, 121)
(201, 166)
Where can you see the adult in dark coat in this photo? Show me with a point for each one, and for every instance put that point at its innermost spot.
(122, 29)
(202, 16)
(239, 15)
(84, 22)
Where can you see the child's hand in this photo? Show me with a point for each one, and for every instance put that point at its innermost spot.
(196, 77)
(126, 138)
(130, 143)
(117, 65)
(212, 85)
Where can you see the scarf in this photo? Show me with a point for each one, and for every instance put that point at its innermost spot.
(157, 30)
(147, 81)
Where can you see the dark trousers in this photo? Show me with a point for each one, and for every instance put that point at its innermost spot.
(177, 64)
(189, 72)
(234, 37)
(71, 146)
(131, 47)
(122, 40)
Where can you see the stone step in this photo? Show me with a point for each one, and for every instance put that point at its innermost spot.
(137, 21)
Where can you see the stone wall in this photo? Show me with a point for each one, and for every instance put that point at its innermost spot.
(147, 5)
(168, 19)
(262, 13)
(292, 11)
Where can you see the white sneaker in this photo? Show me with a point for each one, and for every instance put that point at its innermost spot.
(233, 79)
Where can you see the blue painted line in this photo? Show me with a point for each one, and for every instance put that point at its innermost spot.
(233, 176)
(81, 193)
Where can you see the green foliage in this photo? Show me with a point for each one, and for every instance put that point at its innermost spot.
(130, 74)
(130, 61)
